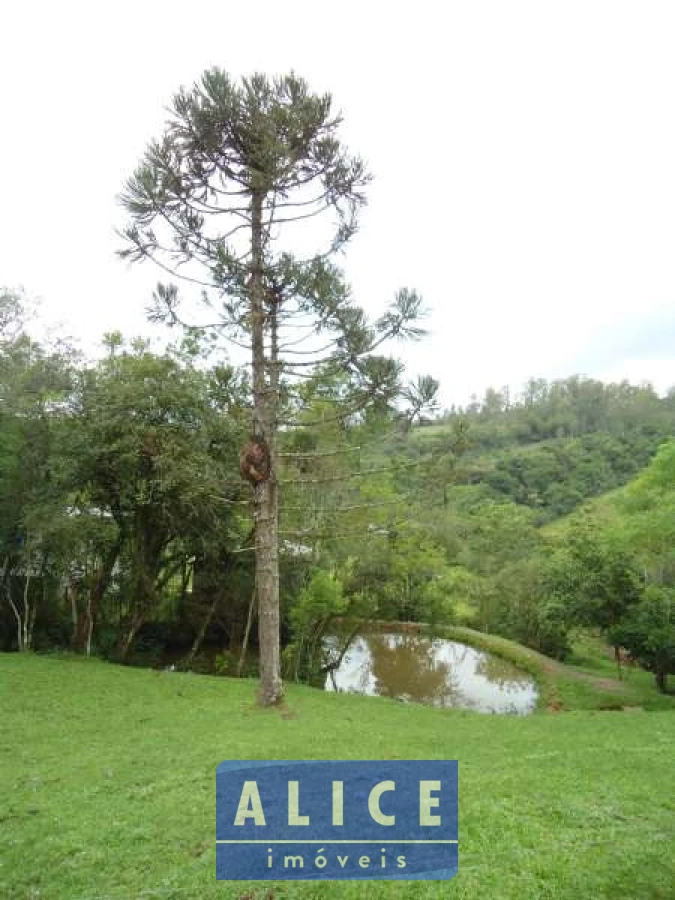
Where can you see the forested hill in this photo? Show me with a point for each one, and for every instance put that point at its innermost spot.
(555, 445)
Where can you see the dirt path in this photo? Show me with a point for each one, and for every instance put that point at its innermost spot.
(602, 684)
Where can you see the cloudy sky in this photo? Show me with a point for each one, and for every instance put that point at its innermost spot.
(523, 154)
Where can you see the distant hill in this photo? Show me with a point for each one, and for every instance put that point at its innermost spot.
(554, 447)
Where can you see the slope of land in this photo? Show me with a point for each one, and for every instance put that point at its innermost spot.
(107, 783)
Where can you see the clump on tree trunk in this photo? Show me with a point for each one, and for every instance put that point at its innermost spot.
(254, 461)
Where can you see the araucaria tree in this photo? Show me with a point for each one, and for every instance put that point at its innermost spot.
(219, 202)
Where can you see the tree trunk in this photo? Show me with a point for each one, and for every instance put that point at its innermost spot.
(17, 615)
(83, 620)
(343, 650)
(145, 566)
(661, 677)
(7, 587)
(267, 579)
(244, 643)
(235, 635)
(128, 641)
(143, 591)
(78, 635)
(265, 492)
(90, 630)
(26, 618)
(196, 644)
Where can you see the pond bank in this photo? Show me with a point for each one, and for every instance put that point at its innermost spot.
(412, 667)
(560, 687)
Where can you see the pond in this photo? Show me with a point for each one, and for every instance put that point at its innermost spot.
(433, 671)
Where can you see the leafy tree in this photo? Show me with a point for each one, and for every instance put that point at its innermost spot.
(238, 166)
(497, 534)
(12, 316)
(405, 573)
(151, 449)
(596, 579)
(317, 605)
(88, 551)
(648, 633)
(35, 386)
(527, 608)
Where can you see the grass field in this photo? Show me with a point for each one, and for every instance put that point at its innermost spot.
(107, 785)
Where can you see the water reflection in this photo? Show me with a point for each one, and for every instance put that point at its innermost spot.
(432, 671)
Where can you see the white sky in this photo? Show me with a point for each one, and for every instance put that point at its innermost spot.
(523, 154)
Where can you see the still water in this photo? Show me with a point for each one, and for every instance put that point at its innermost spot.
(437, 672)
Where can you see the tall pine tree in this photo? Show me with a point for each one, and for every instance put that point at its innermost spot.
(215, 203)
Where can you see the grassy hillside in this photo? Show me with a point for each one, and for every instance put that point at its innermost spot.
(107, 786)
(601, 508)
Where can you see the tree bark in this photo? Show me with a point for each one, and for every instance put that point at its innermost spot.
(17, 615)
(244, 643)
(146, 566)
(26, 618)
(196, 644)
(661, 679)
(78, 634)
(83, 620)
(128, 641)
(343, 651)
(7, 587)
(265, 492)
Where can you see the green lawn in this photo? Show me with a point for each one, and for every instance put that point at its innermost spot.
(107, 786)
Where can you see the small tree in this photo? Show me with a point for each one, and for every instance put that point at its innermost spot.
(238, 168)
(597, 580)
(648, 633)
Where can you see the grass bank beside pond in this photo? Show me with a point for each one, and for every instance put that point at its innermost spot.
(107, 779)
(588, 681)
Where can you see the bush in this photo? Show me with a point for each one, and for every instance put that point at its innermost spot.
(225, 663)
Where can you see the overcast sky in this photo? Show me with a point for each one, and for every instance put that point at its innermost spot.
(523, 154)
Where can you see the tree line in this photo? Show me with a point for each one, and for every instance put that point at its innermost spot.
(126, 528)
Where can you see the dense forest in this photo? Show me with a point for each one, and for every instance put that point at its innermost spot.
(126, 528)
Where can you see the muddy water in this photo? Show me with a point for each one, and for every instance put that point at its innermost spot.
(433, 671)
